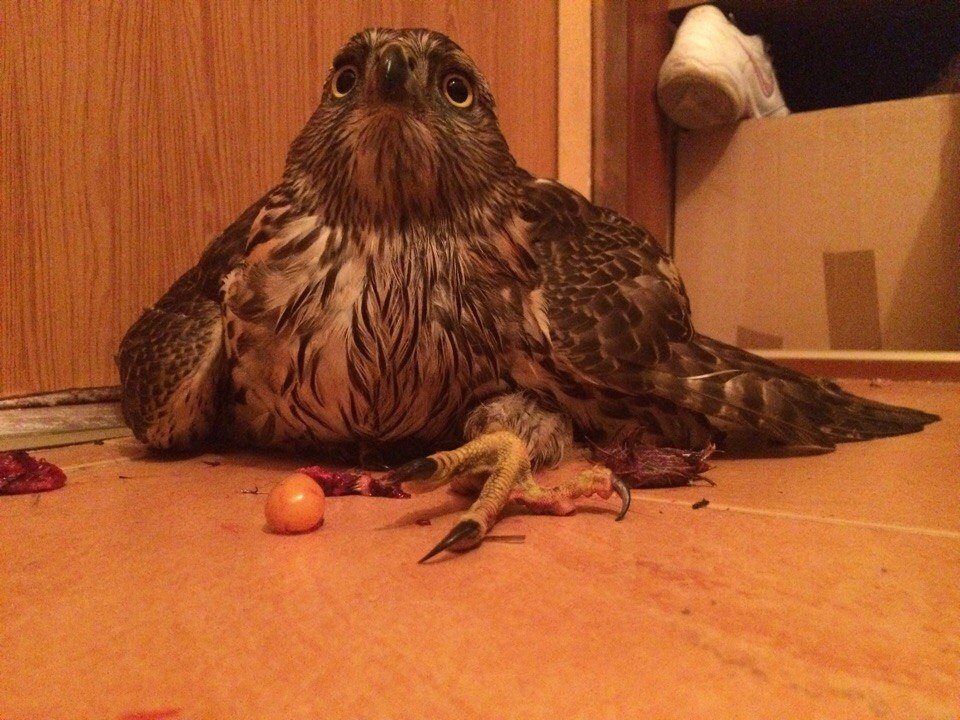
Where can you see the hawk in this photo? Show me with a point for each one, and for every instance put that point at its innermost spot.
(407, 286)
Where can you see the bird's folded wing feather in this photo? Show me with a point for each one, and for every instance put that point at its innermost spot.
(614, 300)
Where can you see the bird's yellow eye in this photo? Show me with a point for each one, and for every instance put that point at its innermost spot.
(458, 90)
(344, 80)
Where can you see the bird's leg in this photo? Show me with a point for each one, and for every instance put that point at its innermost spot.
(556, 499)
(501, 457)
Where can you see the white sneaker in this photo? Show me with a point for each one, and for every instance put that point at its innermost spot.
(714, 74)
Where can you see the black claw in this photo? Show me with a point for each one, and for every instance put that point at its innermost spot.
(419, 469)
(624, 492)
(461, 531)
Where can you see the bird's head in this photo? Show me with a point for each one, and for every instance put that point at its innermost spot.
(405, 132)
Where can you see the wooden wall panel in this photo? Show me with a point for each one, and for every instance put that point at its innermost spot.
(133, 132)
(632, 139)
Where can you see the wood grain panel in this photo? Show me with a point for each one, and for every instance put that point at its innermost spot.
(131, 133)
(632, 143)
(649, 138)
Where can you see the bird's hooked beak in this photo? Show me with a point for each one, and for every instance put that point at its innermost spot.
(393, 73)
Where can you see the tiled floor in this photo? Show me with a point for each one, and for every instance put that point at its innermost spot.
(815, 587)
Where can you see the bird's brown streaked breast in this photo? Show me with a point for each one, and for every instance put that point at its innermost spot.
(370, 348)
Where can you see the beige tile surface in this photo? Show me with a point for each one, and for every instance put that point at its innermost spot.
(910, 480)
(824, 586)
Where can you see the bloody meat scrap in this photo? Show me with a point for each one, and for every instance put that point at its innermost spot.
(22, 473)
(345, 482)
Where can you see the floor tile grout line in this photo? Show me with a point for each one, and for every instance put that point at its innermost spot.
(894, 527)
(97, 463)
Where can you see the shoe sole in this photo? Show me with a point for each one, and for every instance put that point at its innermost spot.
(716, 75)
(697, 96)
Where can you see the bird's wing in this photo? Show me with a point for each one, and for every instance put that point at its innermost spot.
(171, 358)
(614, 301)
(619, 318)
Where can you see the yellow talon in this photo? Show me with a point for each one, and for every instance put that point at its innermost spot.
(497, 464)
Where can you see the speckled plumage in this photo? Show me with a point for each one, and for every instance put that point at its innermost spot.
(406, 282)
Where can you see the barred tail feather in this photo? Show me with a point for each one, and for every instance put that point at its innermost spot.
(734, 386)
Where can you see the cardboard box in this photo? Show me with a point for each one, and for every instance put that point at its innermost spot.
(835, 229)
